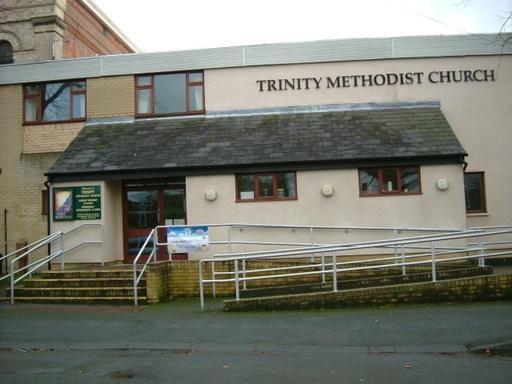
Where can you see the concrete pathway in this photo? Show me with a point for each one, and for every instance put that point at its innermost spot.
(176, 343)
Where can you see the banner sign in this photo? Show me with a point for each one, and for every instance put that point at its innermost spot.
(187, 238)
(77, 203)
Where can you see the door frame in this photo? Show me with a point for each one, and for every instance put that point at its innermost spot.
(158, 185)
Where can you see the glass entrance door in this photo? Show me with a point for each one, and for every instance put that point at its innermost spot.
(145, 207)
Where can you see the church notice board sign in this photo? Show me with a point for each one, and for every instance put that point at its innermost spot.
(77, 203)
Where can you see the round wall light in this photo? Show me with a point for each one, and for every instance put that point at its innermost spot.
(327, 190)
(442, 184)
(210, 194)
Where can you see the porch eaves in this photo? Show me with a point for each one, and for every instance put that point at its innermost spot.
(202, 145)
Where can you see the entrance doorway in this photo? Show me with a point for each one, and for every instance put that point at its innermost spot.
(146, 205)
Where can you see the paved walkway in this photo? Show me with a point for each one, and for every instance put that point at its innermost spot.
(176, 343)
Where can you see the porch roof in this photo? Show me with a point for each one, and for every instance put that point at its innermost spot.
(254, 141)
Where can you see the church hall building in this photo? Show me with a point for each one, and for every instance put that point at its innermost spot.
(379, 132)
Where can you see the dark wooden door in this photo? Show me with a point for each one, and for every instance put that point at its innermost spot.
(145, 207)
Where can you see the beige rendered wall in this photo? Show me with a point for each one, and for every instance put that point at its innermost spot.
(110, 219)
(479, 112)
(431, 209)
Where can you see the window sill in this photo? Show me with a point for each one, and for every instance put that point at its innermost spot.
(479, 214)
(390, 194)
(163, 115)
(29, 123)
(265, 200)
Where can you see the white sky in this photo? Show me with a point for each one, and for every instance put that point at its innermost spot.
(161, 25)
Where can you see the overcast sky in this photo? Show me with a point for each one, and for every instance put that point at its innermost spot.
(161, 25)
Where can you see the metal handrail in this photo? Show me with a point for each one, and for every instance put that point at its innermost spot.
(399, 260)
(102, 241)
(48, 240)
(38, 264)
(152, 255)
(337, 247)
(2, 258)
(27, 250)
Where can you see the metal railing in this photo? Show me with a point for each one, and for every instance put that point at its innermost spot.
(31, 267)
(100, 242)
(26, 252)
(230, 242)
(436, 254)
(137, 276)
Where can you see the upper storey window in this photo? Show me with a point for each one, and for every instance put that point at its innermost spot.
(170, 94)
(64, 101)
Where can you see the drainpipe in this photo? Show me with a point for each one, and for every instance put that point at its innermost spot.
(47, 185)
(5, 238)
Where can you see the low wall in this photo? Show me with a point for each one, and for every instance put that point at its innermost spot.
(157, 282)
(496, 287)
(184, 277)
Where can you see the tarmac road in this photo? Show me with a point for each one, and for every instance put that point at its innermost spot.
(176, 343)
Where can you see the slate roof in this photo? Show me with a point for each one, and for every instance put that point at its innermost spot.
(260, 140)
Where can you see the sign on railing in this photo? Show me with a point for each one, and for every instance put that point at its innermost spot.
(187, 238)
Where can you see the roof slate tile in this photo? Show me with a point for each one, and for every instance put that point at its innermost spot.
(227, 141)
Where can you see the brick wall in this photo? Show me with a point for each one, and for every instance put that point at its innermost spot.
(46, 138)
(157, 282)
(85, 34)
(21, 176)
(496, 287)
(110, 96)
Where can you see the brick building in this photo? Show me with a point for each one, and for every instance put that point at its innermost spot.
(37, 30)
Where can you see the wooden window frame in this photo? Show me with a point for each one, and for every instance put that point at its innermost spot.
(38, 96)
(382, 192)
(257, 196)
(188, 84)
(483, 194)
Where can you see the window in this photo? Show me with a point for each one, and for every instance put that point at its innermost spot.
(474, 188)
(266, 186)
(64, 101)
(6, 56)
(389, 180)
(170, 94)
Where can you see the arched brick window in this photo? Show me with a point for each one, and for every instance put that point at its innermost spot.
(6, 52)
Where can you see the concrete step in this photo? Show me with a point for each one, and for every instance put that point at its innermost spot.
(81, 282)
(22, 291)
(87, 274)
(77, 300)
(80, 287)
